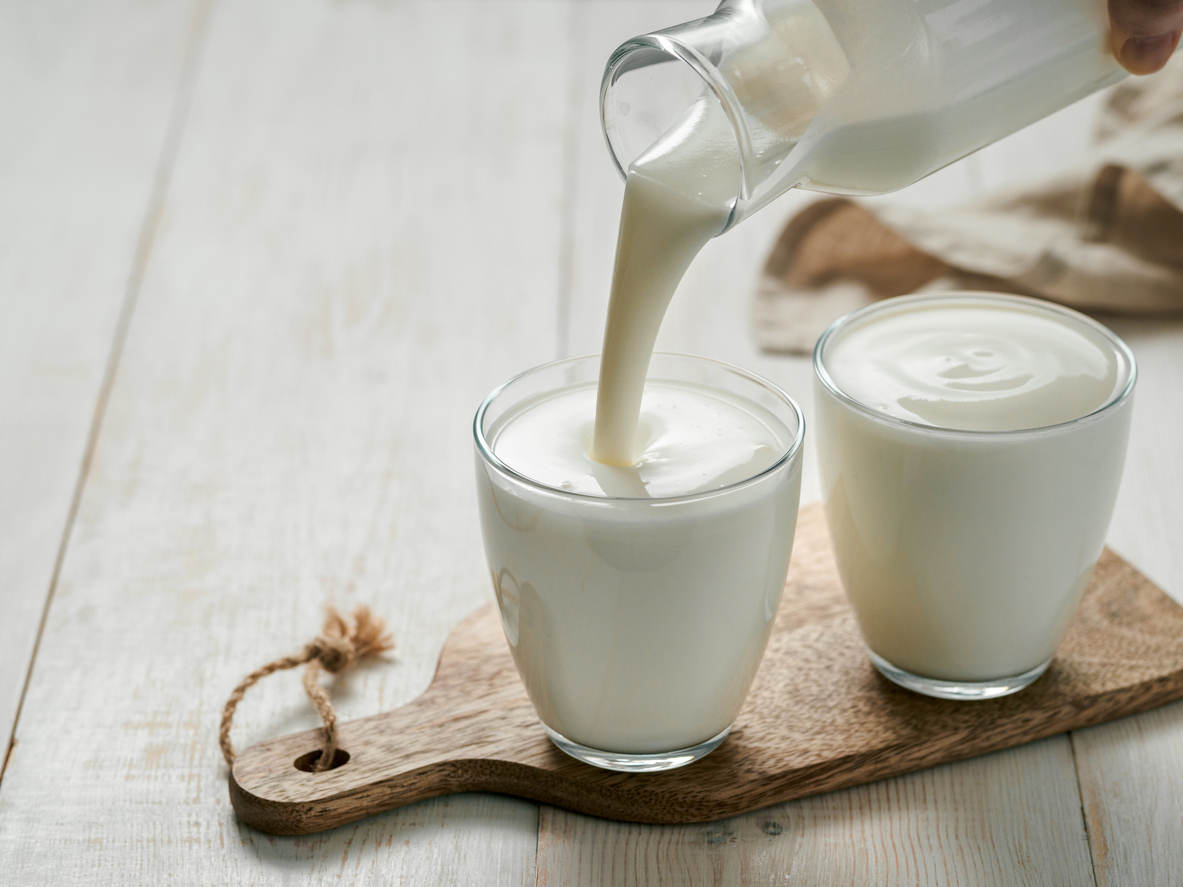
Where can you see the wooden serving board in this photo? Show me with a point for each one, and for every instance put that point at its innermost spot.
(818, 718)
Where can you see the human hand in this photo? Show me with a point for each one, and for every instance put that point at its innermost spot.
(1144, 33)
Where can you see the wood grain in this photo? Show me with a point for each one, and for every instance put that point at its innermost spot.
(86, 94)
(1129, 774)
(1131, 771)
(904, 832)
(818, 717)
(358, 242)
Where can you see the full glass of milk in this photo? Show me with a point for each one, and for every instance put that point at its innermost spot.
(637, 600)
(970, 447)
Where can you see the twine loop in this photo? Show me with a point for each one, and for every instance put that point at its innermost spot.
(339, 647)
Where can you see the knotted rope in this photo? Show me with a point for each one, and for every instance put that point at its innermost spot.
(339, 647)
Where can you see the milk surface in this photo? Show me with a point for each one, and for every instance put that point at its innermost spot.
(978, 367)
(637, 623)
(963, 553)
(689, 439)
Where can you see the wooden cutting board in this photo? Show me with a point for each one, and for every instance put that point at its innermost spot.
(818, 718)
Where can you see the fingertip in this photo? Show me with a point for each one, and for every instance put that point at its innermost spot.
(1145, 55)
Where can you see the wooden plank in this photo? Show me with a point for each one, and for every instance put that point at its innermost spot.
(1149, 512)
(984, 821)
(874, 832)
(85, 98)
(818, 716)
(1131, 780)
(1131, 771)
(359, 241)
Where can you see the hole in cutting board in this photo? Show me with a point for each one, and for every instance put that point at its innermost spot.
(305, 762)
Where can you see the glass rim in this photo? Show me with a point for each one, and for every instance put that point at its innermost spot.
(491, 458)
(1120, 347)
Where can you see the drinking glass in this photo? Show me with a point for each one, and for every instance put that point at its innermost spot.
(636, 623)
(965, 553)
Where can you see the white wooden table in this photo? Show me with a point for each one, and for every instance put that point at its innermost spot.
(259, 262)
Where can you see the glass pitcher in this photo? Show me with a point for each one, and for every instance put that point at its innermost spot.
(855, 96)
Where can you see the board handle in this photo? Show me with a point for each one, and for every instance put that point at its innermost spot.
(437, 744)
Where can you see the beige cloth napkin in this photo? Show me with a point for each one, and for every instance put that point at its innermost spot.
(1107, 237)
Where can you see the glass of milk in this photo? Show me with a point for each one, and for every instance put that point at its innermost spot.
(637, 600)
(970, 447)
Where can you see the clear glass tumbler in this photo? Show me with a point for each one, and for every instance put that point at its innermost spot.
(964, 554)
(637, 624)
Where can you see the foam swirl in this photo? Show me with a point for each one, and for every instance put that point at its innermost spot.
(974, 366)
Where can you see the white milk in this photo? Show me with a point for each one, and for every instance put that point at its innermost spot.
(637, 622)
(679, 194)
(690, 439)
(975, 367)
(931, 81)
(964, 536)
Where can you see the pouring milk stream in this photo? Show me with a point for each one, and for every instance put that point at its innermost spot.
(834, 95)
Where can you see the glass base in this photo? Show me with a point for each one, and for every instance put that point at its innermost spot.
(966, 690)
(624, 763)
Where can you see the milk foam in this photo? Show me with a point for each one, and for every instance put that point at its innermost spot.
(690, 439)
(975, 367)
